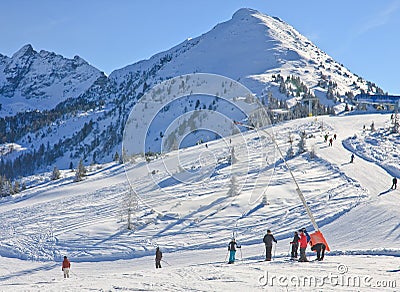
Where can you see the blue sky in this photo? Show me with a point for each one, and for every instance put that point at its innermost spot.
(362, 35)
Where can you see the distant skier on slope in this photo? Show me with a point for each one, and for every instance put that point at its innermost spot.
(158, 257)
(268, 239)
(232, 250)
(394, 185)
(352, 158)
(66, 265)
(303, 245)
(330, 142)
(295, 245)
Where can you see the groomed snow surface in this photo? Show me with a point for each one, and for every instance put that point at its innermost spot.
(192, 216)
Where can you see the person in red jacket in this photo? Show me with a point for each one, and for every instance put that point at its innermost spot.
(66, 265)
(303, 246)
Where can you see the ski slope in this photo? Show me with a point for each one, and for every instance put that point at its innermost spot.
(188, 208)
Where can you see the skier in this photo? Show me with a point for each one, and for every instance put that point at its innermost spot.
(295, 245)
(66, 265)
(330, 141)
(268, 239)
(334, 136)
(352, 158)
(303, 245)
(326, 138)
(320, 249)
(232, 250)
(158, 257)
(394, 185)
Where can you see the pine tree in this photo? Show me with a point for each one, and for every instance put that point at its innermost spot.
(302, 142)
(233, 188)
(232, 157)
(55, 174)
(5, 187)
(290, 152)
(16, 187)
(130, 205)
(116, 157)
(312, 153)
(80, 171)
(282, 87)
(265, 200)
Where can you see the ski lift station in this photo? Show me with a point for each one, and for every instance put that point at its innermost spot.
(391, 102)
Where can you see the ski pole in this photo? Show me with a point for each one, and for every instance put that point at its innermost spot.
(226, 256)
(241, 256)
(275, 250)
(166, 262)
(73, 273)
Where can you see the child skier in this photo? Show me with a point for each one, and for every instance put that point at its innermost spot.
(295, 245)
(66, 265)
(232, 250)
(268, 239)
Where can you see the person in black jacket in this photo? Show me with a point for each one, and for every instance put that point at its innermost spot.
(295, 245)
(158, 258)
(394, 185)
(268, 239)
(232, 250)
(320, 249)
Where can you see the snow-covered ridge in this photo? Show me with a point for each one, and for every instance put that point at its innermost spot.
(31, 80)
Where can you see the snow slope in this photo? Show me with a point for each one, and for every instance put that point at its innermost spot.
(193, 219)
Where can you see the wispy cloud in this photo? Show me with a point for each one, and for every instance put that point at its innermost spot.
(381, 18)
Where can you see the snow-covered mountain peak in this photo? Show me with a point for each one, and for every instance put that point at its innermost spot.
(244, 14)
(29, 76)
(252, 47)
(26, 50)
(264, 53)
